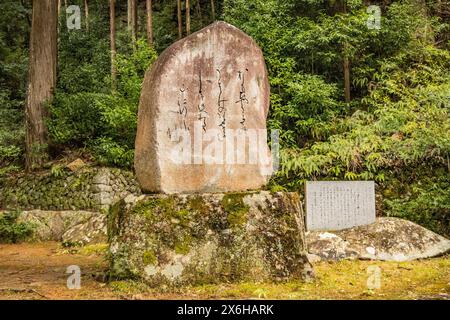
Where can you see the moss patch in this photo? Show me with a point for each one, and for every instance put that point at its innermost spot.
(173, 225)
(423, 279)
(183, 245)
(128, 287)
(99, 249)
(236, 209)
(198, 204)
(157, 207)
(149, 257)
(114, 218)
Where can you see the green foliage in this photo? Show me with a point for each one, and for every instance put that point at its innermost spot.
(425, 200)
(109, 152)
(131, 68)
(83, 55)
(409, 126)
(74, 118)
(104, 123)
(14, 31)
(57, 170)
(398, 120)
(12, 231)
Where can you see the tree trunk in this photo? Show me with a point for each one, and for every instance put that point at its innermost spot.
(129, 15)
(112, 13)
(134, 22)
(213, 10)
(188, 18)
(41, 79)
(346, 64)
(180, 21)
(199, 11)
(149, 23)
(86, 13)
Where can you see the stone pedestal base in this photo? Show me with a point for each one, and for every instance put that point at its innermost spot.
(208, 238)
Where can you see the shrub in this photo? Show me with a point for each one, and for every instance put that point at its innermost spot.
(75, 119)
(426, 202)
(12, 231)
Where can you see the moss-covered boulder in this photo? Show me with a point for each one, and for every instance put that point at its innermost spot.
(209, 238)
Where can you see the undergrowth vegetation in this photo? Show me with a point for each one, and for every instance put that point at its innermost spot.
(12, 230)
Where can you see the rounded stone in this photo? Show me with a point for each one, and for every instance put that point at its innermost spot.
(388, 239)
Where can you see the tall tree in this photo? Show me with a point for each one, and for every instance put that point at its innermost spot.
(346, 66)
(180, 21)
(149, 22)
(199, 11)
(134, 22)
(129, 15)
(112, 22)
(188, 18)
(346, 63)
(41, 79)
(86, 13)
(213, 10)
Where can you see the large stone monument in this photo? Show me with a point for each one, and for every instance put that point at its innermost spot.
(202, 116)
(201, 145)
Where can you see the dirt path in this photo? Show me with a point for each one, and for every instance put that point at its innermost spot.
(38, 271)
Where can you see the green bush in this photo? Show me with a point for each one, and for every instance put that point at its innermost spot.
(109, 152)
(13, 75)
(425, 201)
(75, 119)
(12, 231)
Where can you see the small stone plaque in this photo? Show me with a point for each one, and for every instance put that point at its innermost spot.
(336, 205)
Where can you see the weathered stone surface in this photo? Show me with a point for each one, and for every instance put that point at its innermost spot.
(337, 205)
(91, 230)
(208, 238)
(200, 101)
(389, 239)
(70, 227)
